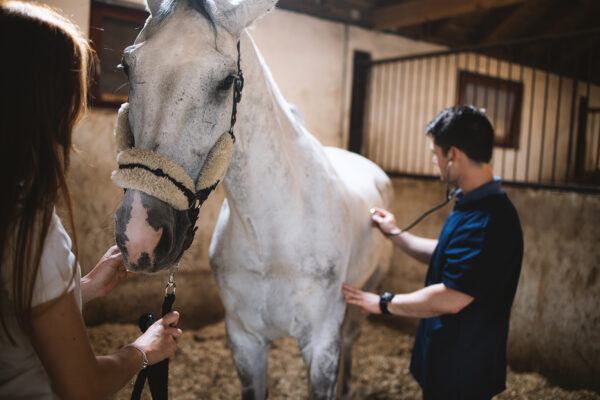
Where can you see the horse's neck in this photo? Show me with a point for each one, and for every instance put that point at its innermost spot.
(273, 153)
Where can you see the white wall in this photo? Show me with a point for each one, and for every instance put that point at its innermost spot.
(311, 60)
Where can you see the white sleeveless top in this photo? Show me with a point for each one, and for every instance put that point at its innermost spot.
(22, 375)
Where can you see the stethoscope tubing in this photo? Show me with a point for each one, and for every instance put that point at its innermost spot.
(449, 194)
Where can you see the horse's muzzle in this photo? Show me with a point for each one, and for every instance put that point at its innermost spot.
(151, 234)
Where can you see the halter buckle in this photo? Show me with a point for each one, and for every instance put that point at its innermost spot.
(170, 287)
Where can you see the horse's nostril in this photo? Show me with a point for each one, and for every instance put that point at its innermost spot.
(165, 244)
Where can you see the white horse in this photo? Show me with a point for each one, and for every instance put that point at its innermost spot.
(295, 223)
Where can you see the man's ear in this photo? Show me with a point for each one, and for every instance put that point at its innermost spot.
(454, 153)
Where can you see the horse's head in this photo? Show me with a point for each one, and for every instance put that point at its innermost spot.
(175, 137)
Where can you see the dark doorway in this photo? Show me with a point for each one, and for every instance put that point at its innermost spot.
(357, 107)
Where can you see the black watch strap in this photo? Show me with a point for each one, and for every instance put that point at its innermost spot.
(383, 302)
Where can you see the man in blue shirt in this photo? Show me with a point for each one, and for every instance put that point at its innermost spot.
(474, 267)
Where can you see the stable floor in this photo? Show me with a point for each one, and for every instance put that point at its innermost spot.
(203, 369)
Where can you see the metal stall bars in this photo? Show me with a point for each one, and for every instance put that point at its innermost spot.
(544, 105)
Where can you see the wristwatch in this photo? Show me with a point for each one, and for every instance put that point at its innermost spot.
(383, 302)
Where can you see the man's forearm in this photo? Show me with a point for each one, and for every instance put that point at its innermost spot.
(431, 301)
(417, 247)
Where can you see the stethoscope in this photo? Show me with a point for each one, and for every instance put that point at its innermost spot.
(449, 194)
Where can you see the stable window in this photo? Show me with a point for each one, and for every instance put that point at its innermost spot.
(112, 28)
(501, 100)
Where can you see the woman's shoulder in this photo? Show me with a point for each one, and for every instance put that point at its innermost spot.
(58, 242)
(57, 269)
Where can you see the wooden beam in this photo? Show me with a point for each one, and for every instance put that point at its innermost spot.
(509, 26)
(414, 12)
(494, 22)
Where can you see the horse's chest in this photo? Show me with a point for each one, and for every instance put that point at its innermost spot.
(279, 303)
(278, 285)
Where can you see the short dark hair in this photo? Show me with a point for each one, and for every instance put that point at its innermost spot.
(466, 128)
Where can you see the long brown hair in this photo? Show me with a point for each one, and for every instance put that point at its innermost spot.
(46, 65)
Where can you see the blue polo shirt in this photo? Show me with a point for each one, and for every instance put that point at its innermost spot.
(479, 252)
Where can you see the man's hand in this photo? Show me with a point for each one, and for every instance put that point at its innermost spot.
(368, 302)
(385, 221)
(109, 271)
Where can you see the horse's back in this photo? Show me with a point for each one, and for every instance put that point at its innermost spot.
(361, 176)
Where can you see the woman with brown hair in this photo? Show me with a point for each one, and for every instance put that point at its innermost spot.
(44, 349)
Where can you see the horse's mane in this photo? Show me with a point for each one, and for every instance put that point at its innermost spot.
(202, 6)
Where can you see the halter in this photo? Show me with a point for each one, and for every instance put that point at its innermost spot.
(163, 178)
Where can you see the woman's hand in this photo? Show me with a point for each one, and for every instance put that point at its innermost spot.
(368, 302)
(385, 221)
(160, 340)
(109, 271)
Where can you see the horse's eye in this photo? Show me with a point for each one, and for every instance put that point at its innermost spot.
(125, 67)
(226, 83)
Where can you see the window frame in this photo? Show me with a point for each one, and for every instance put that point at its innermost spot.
(99, 10)
(512, 136)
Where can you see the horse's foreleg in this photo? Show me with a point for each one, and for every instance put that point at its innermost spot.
(249, 353)
(321, 354)
(350, 332)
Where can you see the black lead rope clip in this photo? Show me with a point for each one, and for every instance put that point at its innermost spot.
(169, 295)
(157, 374)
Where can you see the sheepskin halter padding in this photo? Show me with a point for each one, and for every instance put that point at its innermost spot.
(163, 178)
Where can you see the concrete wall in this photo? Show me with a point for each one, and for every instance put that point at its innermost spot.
(556, 319)
(556, 323)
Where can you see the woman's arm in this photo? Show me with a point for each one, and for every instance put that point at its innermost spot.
(61, 342)
(419, 248)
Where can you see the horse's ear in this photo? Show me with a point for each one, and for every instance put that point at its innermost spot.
(237, 17)
(153, 6)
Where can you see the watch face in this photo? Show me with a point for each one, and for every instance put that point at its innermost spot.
(383, 302)
(387, 296)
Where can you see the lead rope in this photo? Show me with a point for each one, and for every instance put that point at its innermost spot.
(157, 374)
